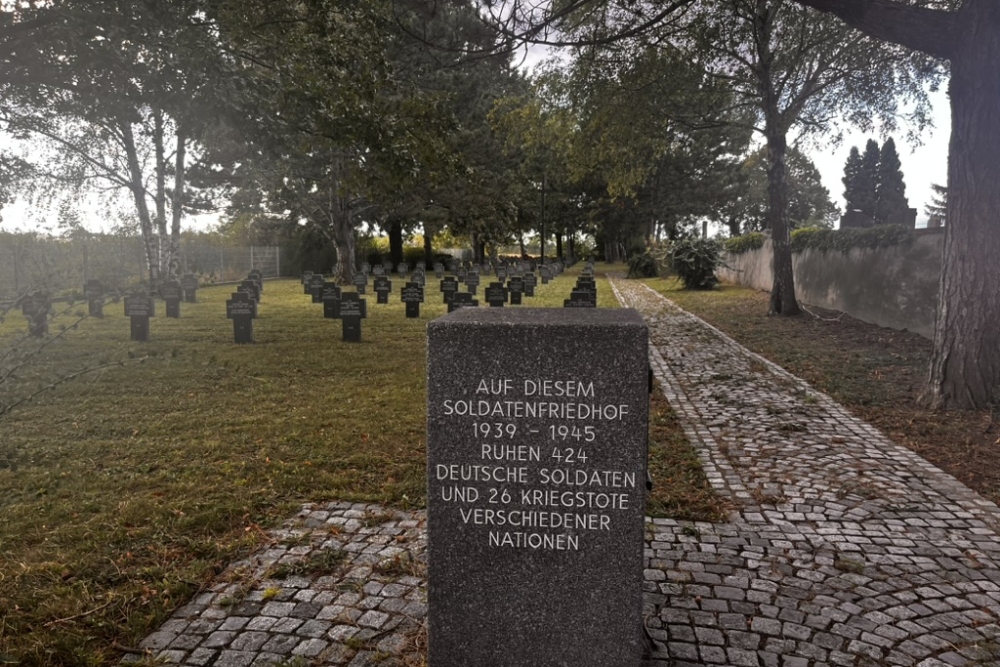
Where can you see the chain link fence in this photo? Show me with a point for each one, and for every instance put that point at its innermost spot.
(29, 261)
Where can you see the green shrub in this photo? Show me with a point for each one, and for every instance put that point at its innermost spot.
(694, 261)
(843, 240)
(643, 266)
(741, 244)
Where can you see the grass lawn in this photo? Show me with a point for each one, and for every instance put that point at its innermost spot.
(124, 491)
(877, 373)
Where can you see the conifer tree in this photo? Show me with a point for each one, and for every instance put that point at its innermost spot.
(939, 201)
(890, 188)
(867, 195)
(852, 178)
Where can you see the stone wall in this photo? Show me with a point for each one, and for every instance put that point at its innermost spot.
(893, 287)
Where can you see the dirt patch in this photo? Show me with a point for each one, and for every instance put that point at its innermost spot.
(877, 373)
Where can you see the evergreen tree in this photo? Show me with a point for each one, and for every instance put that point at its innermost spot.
(939, 201)
(867, 193)
(890, 188)
(852, 178)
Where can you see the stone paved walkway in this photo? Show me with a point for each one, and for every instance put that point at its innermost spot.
(845, 550)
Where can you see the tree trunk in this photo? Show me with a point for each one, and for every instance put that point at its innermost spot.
(177, 205)
(160, 197)
(965, 365)
(783, 288)
(395, 232)
(429, 244)
(138, 191)
(559, 254)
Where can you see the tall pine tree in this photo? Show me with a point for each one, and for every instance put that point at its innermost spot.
(867, 193)
(852, 179)
(890, 189)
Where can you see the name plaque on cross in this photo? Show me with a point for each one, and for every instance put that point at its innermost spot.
(536, 468)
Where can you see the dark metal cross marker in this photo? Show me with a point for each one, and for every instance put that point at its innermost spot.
(242, 310)
(139, 308)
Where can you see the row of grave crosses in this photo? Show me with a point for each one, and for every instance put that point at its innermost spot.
(37, 305)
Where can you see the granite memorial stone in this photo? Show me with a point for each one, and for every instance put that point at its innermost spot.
(536, 463)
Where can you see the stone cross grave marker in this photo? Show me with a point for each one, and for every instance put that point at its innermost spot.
(190, 285)
(139, 307)
(530, 281)
(315, 287)
(330, 296)
(172, 293)
(353, 309)
(378, 270)
(536, 465)
(449, 287)
(257, 276)
(250, 287)
(495, 295)
(360, 282)
(366, 268)
(472, 282)
(93, 292)
(515, 284)
(438, 270)
(462, 300)
(403, 268)
(382, 287)
(242, 309)
(412, 295)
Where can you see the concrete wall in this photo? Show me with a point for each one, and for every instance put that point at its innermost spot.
(893, 287)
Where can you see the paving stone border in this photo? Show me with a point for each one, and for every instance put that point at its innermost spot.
(845, 550)
(338, 584)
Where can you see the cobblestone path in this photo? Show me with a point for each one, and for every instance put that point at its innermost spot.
(845, 550)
